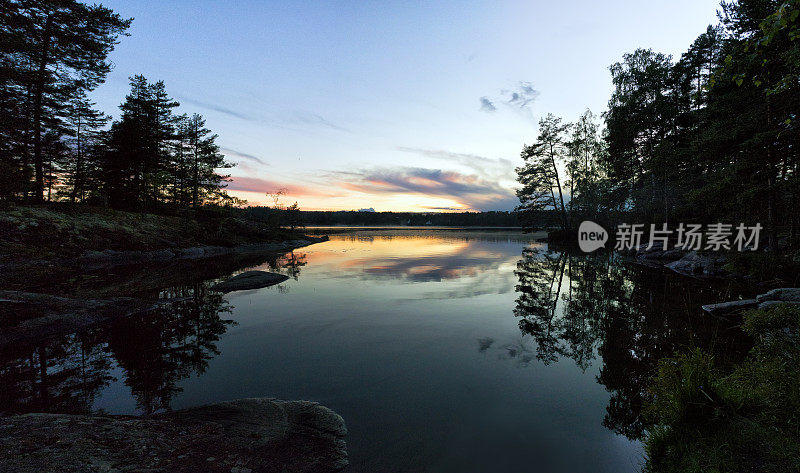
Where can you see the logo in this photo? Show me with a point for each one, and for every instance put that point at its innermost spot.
(591, 236)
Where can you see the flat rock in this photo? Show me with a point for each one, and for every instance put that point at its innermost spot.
(248, 435)
(786, 294)
(250, 280)
(765, 304)
(728, 307)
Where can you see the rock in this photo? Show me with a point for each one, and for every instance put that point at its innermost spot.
(728, 307)
(91, 260)
(765, 304)
(193, 252)
(673, 254)
(784, 295)
(249, 280)
(652, 253)
(698, 265)
(247, 435)
(781, 294)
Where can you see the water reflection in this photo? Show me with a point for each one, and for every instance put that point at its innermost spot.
(155, 351)
(445, 351)
(582, 307)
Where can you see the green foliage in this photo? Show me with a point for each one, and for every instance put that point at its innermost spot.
(763, 266)
(705, 417)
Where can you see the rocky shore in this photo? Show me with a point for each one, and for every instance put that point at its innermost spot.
(784, 295)
(687, 263)
(244, 436)
(91, 260)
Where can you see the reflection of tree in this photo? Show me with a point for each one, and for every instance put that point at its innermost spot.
(156, 350)
(540, 281)
(292, 262)
(159, 349)
(64, 375)
(578, 305)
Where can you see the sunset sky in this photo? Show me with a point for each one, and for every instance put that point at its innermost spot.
(405, 105)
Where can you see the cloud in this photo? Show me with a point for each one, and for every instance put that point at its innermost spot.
(487, 105)
(238, 154)
(283, 120)
(522, 96)
(216, 108)
(471, 191)
(448, 209)
(263, 186)
(488, 168)
(317, 120)
(519, 98)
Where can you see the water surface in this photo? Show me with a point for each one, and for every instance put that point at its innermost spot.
(443, 350)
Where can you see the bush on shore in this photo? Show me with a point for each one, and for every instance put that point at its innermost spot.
(740, 418)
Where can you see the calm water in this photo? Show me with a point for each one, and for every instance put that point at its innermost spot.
(443, 350)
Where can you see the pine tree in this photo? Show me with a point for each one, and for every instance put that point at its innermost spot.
(539, 175)
(85, 135)
(54, 46)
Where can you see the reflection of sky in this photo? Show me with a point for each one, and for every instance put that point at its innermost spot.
(414, 342)
(418, 259)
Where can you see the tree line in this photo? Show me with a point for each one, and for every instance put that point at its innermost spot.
(711, 136)
(54, 143)
(353, 217)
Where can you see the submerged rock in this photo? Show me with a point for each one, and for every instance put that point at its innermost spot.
(247, 435)
(699, 265)
(249, 280)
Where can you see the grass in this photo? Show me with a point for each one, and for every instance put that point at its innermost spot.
(53, 231)
(741, 418)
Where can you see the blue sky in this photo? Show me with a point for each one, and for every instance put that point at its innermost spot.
(391, 105)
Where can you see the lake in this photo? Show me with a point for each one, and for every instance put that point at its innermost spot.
(444, 350)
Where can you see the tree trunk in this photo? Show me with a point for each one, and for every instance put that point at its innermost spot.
(38, 189)
(565, 222)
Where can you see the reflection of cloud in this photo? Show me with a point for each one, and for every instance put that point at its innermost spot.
(473, 260)
(487, 105)
(473, 191)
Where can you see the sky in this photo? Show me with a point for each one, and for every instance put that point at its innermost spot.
(390, 105)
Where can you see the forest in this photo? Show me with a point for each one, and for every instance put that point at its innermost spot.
(54, 143)
(711, 136)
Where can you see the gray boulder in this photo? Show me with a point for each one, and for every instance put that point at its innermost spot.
(249, 280)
